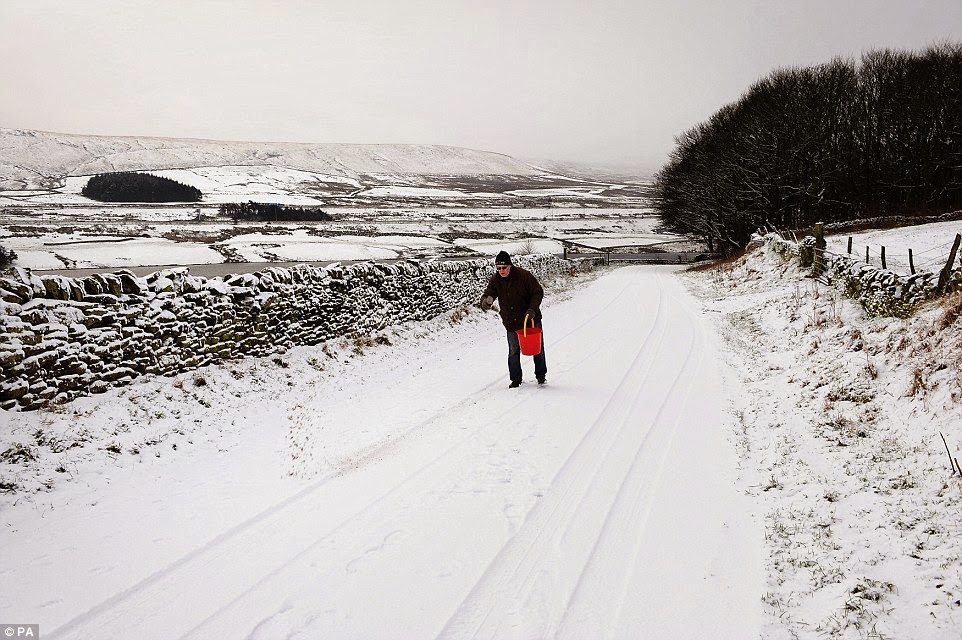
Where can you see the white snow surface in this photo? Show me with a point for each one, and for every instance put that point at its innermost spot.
(407, 493)
(41, 252)
(738, 453)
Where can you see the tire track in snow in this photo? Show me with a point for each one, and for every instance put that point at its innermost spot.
(288, 564)
(603, 587)
(425, 471)
(264, 531)
(557, 526)
(267, 530)
(670, 567)
(379, 449)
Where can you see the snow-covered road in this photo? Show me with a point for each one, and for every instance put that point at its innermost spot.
(428, 500)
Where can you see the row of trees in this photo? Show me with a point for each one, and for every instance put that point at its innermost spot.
(130, 186)
(834, 142)
(271, 212)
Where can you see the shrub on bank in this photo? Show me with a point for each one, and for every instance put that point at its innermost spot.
(7, 256)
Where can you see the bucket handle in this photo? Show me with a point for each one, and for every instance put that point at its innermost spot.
(525, 327)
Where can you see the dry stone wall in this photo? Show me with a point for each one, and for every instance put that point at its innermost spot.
(65, 337)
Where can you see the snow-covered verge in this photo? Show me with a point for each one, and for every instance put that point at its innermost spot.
(842, 449)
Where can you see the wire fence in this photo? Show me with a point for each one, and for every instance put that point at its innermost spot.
(932, 261)
(903, 261)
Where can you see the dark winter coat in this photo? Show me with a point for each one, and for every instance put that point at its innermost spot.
(516, 294)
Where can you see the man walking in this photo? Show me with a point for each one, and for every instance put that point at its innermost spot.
(520, 295)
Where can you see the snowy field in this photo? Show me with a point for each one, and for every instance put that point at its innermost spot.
(736, 453)
(127, 237)
(930, 245)
(387, 201)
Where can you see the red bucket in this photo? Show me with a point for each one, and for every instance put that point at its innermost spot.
(529, 339)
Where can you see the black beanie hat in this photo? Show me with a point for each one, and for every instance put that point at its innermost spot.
(503, 258)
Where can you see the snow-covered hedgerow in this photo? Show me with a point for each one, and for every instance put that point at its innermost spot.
(64, 337)
(881, 292)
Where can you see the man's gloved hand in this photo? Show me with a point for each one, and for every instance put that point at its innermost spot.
(531, 313)
(486, 303)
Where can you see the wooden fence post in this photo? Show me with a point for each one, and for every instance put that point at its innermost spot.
(911, 262)
(850, 245)
(883, 257)
(818, 263)
(947, 269)
(866, 256)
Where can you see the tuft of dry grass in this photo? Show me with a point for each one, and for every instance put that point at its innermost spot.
(362, 343)
(951, 310)
(917, 383)
(460, 313)
(870, 369)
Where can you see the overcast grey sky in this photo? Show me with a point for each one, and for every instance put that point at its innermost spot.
(596, 81)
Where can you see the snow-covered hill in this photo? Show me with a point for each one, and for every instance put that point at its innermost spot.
(39, 169)
(42, 160)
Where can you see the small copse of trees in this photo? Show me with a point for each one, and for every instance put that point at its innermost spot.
(130, 186)
(831, 143)
(265, 212)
